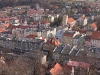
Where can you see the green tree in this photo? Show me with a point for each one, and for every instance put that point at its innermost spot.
(57, 21)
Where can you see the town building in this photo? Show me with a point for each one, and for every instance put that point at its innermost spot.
(95, 39)
(65, 20)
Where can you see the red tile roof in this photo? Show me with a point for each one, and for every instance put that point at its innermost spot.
(73, 63)
(55, 42)
(56, 7)
(34, 23)
(70, 20)
(80, 31)
(93, 25)
(2, 29)
(6, 19)
(84, 65)
(56, 70)
(66, 67)
(43, 22)
(52, 71)
(31, 36)
(95, 35)
(69, 35)
(22, 10)
(6, 24)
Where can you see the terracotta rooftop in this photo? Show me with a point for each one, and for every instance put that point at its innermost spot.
(80, 31)
(6, 19)
(2, 29)
(43, 22)
(56, 70)
(6, 24)
(56, 7)
(69, 33)
(22, 10)
(95, 35)
(73, 63)
(31, 36)
(70, 20)
(93, 25)
(83, 65)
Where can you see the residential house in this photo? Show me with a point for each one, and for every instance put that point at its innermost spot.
(31, 36)
(57, 52)
(78, 54)
(44, 24)
(95, 39)
(57, 69)
(76, 39)
(21, 31)
(81, 41)
(80, 31)
(68, 37)
(87, 40)
(36, 14)
(2, 42)
(3, 14)
(59, 34)
(49, 46)
(10, 44)
(14, 21)
(73, 52)
(90, 28)
(61, 52)
(23, 44)
(71, 22)
(6, 20)
(6, 25)
(29, 45)
(93, 52)
(93, 27)
(82, 21)
(48, 33)
(79, 65)
(6, 34)
(27, 32)
(51, 18)
(65, 20)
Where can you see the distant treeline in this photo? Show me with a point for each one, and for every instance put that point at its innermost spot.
(12, 3)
